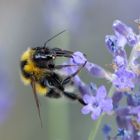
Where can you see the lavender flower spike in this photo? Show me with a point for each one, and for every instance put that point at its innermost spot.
(97, 104)
(122, 29)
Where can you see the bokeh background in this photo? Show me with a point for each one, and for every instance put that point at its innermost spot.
(29, 23)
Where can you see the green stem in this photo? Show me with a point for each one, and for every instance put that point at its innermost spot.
(93, 133)
(96, 127)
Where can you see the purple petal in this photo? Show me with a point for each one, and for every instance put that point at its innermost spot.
(69, 70)
(96, 113)
(126, 31)
(101, 93)
(79, 58)
(119, 61)
(88, 99)
(106, 105)
(121, 40)
(122, 53)
(86, 109)
(95, 70)
(77, 80)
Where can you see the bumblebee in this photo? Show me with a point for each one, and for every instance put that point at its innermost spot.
(38, 69)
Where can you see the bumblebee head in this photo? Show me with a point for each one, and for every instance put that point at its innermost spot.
(43, 54)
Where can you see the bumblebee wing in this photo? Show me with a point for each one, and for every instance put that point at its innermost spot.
(36, 100)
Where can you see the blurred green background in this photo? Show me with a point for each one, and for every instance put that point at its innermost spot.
(29, 23)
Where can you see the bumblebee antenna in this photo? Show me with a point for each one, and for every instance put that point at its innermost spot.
(53, 37)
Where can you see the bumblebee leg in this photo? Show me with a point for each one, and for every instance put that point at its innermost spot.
(54, 84)
(63, 66)
(62, 53)
(53, 94)
(54, 81)
(68, 79)
(74, 97)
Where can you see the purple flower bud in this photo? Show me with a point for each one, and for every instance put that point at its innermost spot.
(120, 61)
(116, 46)
(133, 100)
(79, 58)
(127, 32)
(96, 70)
(120, 27)
(120, 58)
(117, 96)
(111, 43)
